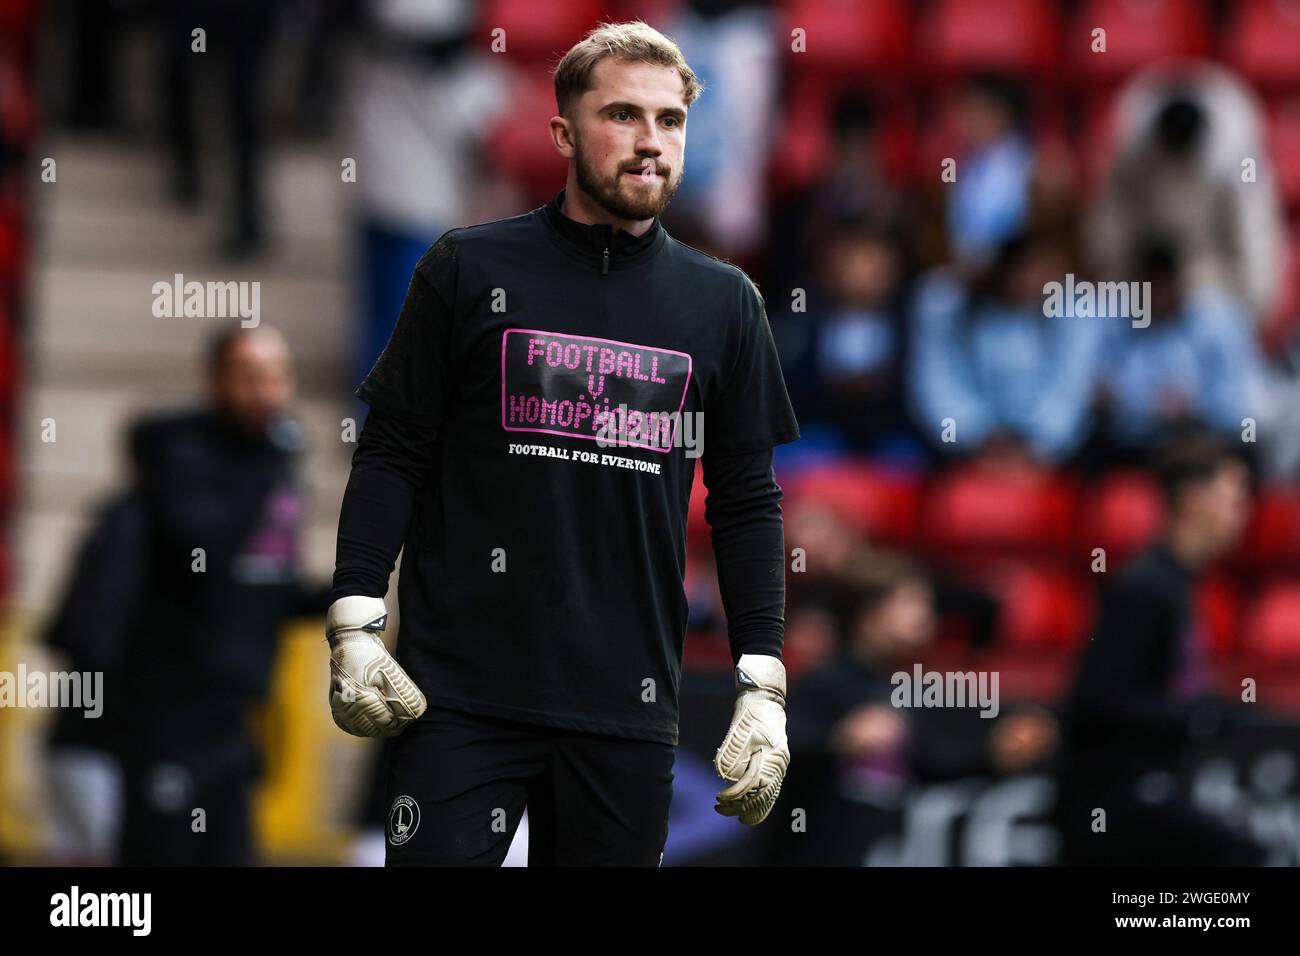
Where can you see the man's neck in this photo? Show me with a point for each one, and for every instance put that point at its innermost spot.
(1188, 546)
(581, 208)
(238, 428)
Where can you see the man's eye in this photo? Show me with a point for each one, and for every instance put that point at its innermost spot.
(621, 113)
(673, 120)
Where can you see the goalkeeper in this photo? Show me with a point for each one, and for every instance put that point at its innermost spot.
(541, 591)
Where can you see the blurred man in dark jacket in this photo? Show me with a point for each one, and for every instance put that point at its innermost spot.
(858, 753)
(1143, 691)
(100, 596)
(222, 512)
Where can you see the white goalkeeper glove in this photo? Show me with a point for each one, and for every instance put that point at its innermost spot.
(754, 754)
(370, 695)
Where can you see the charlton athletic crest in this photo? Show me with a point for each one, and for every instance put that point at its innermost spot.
(403, 820)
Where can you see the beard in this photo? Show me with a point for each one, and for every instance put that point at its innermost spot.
(620, 195)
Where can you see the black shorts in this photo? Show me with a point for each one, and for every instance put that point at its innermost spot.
(458, 784)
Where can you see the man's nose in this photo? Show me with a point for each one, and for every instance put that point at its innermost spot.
(648, 144)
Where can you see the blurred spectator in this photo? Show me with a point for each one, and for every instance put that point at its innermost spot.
(100, 599)
(1013, 381)
(854, 185)
(94, 47)
(1183, 141)
(830, 545)
(322, 28)
(843, 356)
(198, 654)
(828, 542)
(848, 745)
(1279, 448)
(419, 99)
(732, 46)
(704, 599)
(1196, 363)
(239, 34)
(854, 753)
(1143, 688)
(989, 201)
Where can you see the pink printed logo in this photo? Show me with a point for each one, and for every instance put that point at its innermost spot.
(592, 388)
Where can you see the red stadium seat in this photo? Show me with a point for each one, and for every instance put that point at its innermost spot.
(800, 151)
(705, 651)
(535, 31)
(1284, 147)
(6, 575)
(1041, 610)
(1018, 36)
(1271, 629)
(516, 145)
(13, 245)
(1138, 33)
(1028, 676)
(847, 38)
(1278, 328)
(880, 503)
(654, 12)
(697, 529)
(1219, 607)
(802, 148)
(8, 356)
(1095, 148)
(9, 390)
(19, 100)
(1272, 542)
(1263, 43)
(18, 16)
(1120, 514)
(977, 513)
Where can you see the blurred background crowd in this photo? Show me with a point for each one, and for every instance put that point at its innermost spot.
(1081, 504)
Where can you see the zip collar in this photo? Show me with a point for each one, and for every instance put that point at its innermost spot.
(598, 244)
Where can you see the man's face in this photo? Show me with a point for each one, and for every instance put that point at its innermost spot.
(629, 137)
(256, 379)
(1221, 505)
(979, 119)
(862, 272)
(818, 530)
(908, 616)
(902, 623)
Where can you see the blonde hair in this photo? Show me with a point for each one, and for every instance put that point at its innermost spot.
(632, 42)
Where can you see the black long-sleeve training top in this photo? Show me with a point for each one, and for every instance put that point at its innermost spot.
(527, 447)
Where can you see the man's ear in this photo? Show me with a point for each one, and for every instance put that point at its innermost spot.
(562, 136)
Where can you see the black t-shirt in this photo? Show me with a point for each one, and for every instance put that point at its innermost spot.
(542, 576)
